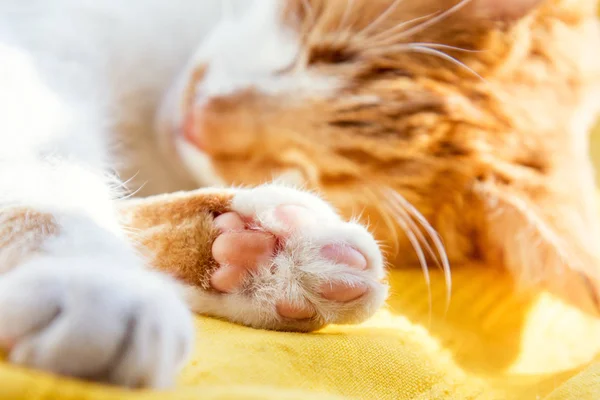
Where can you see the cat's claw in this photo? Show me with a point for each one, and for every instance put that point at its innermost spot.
(290, 255)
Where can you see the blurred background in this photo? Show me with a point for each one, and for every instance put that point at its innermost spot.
(595, 149)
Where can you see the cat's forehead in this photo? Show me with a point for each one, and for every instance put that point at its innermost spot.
(257, 45)
(268, 45)
(253, 38)
(270, 34)
(380, 14)
(253, 49)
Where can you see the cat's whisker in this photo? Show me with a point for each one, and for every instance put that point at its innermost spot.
(123, 192)
(125, 184)
(410, 220)
(134, 193)
(389, 36)
(382, 18)
(435, 237)
(311, 17)
(442, 55)
(434, 20)
(343, 25)
(401, 218)
(438, 46)
(132, 229)
(434, 256)
(121, 189)
(408, 47)
(392, 231)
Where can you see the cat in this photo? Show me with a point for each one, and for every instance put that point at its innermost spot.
(81, 83)
(463, 118)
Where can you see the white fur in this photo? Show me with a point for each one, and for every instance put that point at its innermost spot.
(81, 83)
(95, 317)
(300, 270)
(250, 51)
(245, 51)
(72, 72)
(198, 163)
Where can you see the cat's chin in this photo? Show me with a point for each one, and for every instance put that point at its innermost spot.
(173, 142)
(197, 163)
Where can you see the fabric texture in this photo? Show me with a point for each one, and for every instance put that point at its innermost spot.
(487, 345)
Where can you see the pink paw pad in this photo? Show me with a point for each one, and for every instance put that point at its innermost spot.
(241, 249)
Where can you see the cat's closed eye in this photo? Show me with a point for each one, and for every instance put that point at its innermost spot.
(331, 55)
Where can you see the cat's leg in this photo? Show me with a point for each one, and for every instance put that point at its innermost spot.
(270, 257)
(75, 297)
(549, 242)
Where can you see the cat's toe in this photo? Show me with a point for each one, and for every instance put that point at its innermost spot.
(340, 291)
(239, 252)
(123, 326)
(299, 264)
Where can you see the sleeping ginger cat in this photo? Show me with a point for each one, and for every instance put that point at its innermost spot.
(466, 119)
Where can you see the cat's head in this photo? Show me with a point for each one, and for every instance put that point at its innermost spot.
(357, 97)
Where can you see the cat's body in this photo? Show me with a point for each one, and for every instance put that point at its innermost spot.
(82, 84)
(357, 99)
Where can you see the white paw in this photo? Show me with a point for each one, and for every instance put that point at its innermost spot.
(289, 262)
(94, 319)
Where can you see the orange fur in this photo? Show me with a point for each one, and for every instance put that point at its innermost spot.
(178, 231)
(492, 152)
(22, 234)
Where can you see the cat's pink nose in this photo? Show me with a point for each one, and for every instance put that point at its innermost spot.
(220, 126)
(193, 131)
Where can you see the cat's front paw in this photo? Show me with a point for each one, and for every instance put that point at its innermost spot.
(92, 319)
(287, 261)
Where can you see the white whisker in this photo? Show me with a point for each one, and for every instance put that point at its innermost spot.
(346, 15)
(440, 17)
(123, 192)
(310, 13)
(401, 216)
(384, 15)
(410, 220)
(135, 192)
(435, 237)
(384, 213)
(444, 46)
(389, 36)
(442, 55)
(128, 181)
(408, 47)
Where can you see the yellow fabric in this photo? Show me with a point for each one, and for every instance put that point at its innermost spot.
(489, 345)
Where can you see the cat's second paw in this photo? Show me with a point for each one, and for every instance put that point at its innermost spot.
(94, 319)
(287, 261)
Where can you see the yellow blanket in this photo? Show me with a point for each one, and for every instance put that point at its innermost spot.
(489, 345)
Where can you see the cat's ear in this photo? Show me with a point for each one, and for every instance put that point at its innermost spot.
(503, 10)
(553, 250)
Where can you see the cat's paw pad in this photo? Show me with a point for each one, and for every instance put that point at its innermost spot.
(92, 320)
(300, 266)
